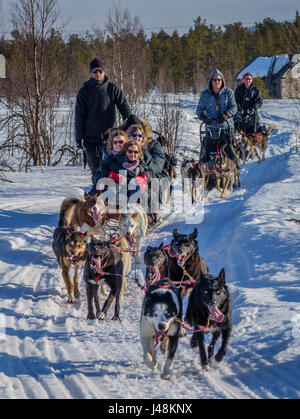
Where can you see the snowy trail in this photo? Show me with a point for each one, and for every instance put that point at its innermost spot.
(49, 350)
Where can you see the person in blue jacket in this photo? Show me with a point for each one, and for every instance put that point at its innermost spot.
(216, 109)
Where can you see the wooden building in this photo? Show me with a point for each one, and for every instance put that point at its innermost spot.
(281, 74)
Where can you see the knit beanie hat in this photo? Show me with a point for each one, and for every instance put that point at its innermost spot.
(97, 63)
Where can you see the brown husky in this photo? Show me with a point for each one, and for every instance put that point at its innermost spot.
(255, 144)
(75, 212)
(70, 249)
(226, 173)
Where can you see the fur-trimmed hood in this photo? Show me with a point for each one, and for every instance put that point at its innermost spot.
(146, 127)
(147, 130)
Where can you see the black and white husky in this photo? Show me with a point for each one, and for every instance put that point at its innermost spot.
(160, 322)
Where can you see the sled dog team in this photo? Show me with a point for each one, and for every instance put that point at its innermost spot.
(179, 292)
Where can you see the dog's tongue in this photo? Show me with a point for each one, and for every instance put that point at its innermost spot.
(180, 258)
(95, 214)
(216, 314)
(155, 273)
(72, 258)
(97, 262)
(171, 253)
(130, 240)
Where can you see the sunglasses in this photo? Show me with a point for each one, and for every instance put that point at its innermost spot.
(216, 79)
(118, 141)
(132, 152)
(249, 78)
(136, 135)
(97, 70)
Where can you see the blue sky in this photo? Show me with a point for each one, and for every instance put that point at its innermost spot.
(171, 14)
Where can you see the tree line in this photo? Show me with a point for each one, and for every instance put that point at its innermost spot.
(169, 62)
(44, 66)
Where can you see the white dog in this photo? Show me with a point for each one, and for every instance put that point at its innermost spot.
(133, 225)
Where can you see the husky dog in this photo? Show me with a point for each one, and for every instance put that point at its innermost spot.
(70, 247)
(156, 260)
(133, 225)
(210, 309)
(184, 257)
(186, 164)
(195, 173)
(226, 173)
(185, 263)
(255, 144)
(105, 263)
(160, 321)
(77, 212)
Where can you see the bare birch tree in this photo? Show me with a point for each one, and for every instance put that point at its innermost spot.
(124, 50)
(34, 80)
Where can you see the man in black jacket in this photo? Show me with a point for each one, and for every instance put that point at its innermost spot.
(95, 113)
(248, 99)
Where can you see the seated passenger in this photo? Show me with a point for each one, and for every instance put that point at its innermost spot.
(115, 145)
(127, 171)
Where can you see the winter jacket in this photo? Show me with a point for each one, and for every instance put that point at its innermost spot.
(156, 161)
(95, 109)
(212, 107)
(154, 156)
(115, 164)
(248, 100)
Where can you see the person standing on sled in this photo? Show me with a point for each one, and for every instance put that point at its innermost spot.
(95, 113)
(216, 108)
(248, 99)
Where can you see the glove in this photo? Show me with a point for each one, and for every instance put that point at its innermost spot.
(206, 119)
(227, 114)
(142, 182)
(221, 119)
(79, 143)
(119, 179)
(173, 160)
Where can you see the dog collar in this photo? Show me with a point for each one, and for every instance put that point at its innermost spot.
(97, 279)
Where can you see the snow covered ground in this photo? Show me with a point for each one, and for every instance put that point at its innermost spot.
(49, 350)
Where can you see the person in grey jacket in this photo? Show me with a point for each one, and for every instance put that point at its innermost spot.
(95, 113)
(216, 108)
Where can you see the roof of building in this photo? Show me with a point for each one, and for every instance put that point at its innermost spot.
(268, 66)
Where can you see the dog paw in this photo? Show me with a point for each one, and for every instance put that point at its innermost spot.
(77, 294)
(71, 299)
(154, 365)
(101, 316)
(166, 376)
(219, 356)
(150, 362)
(206, 367)
(116, 317)
(91, 316)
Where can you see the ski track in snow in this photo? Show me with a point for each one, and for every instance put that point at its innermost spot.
(49, 350)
